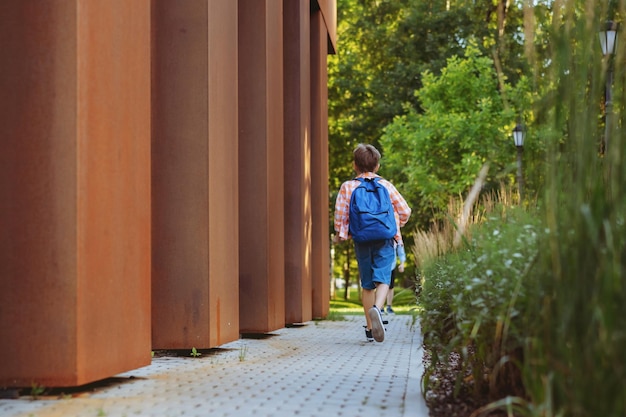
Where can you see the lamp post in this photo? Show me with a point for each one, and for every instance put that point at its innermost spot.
(518, 139)
(608, 40)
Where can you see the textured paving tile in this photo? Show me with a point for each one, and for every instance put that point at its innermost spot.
(317, 369)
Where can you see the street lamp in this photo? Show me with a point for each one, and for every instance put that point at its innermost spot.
(608, 40)
(518, 138)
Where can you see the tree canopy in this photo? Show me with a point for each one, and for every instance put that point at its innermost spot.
(428, 83)
(463, 124)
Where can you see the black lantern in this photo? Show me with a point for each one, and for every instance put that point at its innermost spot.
(518, 137)
(608, 41)
(608, 38)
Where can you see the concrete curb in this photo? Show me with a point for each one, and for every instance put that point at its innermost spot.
(414, 403)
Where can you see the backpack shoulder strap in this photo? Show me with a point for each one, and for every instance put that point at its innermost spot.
(366, 179)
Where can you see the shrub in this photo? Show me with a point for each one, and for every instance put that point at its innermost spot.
(472, 299)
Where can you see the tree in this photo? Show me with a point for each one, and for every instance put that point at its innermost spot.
(385, 47)
(464, 124)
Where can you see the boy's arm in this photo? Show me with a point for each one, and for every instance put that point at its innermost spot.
(401, 253)
(399, 205)
(342, 213)
(402, 257)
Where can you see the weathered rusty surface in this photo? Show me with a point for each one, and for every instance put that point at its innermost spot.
(223, 174)
(261, 170)
(74, 190)
(195, 176)
(328, 9)
(319, 165)
(297, 107)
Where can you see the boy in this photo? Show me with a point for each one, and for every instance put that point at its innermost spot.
(375, 258)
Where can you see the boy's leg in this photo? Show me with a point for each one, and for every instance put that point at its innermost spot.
(381, 295)
(368, 301)
(390, 297)
(389, 309)
(390, 292)
(371, 297)
(374, 313)
(374, 261)
(383, 256)
(363, 252)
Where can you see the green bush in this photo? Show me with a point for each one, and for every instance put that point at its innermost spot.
(472, 299)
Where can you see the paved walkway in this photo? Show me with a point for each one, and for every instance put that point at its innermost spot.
(317, 369)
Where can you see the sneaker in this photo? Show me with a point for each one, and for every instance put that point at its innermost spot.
(390, 310)
(378, 329)
(368, 335)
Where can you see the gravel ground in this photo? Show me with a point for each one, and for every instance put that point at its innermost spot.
(440, 397)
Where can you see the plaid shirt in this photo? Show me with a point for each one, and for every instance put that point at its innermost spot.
(401, 209)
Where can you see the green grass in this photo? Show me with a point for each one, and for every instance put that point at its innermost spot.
(404, 302)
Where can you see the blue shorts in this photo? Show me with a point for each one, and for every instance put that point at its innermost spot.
(375, 261)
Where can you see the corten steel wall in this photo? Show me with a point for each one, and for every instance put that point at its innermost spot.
(74, 190)
(195, 300)
(319, 164)
(261, 190)
(297, 107)
(328, 8)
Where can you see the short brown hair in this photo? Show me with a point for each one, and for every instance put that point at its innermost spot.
(366, 157)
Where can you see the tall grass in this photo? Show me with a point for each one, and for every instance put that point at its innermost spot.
(544, 292)
(575, 352)
(470, 292)
(462, 216)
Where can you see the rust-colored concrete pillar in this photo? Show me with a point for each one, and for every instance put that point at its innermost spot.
(297, 106)
(261, 184)
(74, 190)
(194, 174)
(319, 165)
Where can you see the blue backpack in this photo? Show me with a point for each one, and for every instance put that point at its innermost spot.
(371, 212)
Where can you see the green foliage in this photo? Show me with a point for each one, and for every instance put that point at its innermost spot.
(576, 332)
(472, 298)
(478, 69)
(561, 324)
(343, 307)
(386, 46)
(577, 344)
(404, 302)
(243, 352)
(384, 49)
(465, 123)
(36, 390)
(345, 265)
(194, 353)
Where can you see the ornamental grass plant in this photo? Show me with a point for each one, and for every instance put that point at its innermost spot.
(575, 346)
(472, 296)
(534, 299)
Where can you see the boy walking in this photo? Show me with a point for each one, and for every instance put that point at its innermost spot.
(374, 248)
